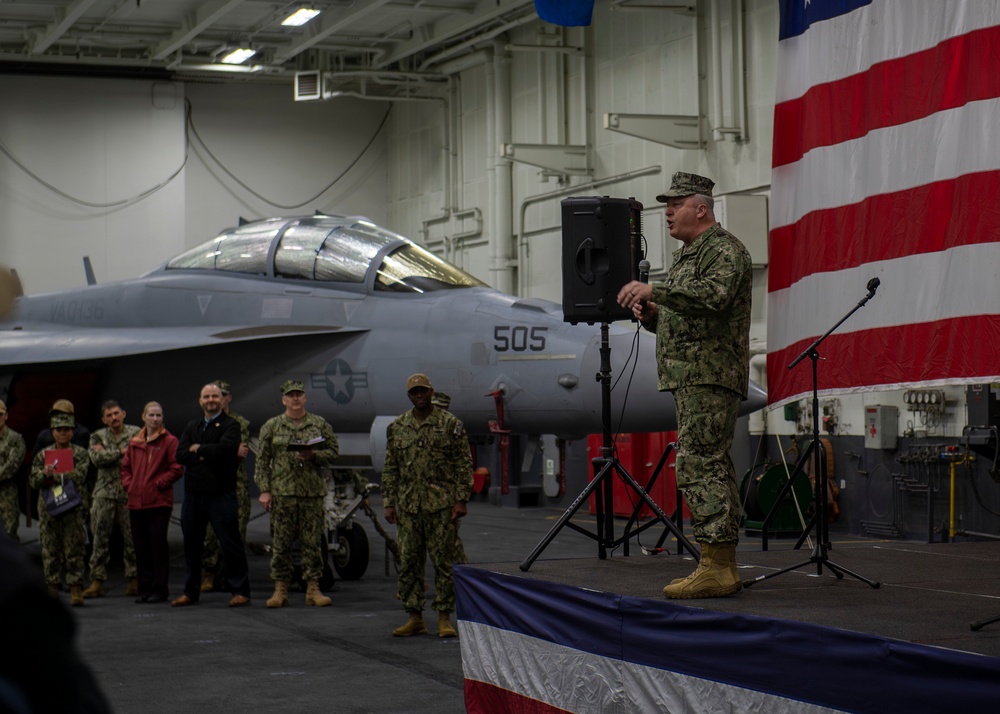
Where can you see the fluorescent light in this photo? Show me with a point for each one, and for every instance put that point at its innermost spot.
(300, 17)
(238, 56)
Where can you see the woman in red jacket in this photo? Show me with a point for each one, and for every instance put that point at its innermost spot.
(149, 471)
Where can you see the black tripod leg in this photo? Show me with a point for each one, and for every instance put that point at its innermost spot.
(760, 578)
(983, 623)
(634, 518)
(840, 571)
(564, 518)
(682, 541)
(820, 562)
(805, 533)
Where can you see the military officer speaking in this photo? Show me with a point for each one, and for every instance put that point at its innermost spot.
(293, 448)
(701, 317)
(426, 484)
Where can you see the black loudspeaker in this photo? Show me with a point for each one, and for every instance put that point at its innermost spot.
(600, 253)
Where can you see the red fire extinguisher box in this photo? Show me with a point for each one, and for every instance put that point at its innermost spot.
(639, 454)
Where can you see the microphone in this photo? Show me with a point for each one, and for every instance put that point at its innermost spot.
(643, 277)
(644, 272)
(872, 286)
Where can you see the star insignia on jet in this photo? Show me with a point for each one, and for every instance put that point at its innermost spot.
(339, 381)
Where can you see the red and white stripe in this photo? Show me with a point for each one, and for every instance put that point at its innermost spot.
(885, 165)
(508, 671)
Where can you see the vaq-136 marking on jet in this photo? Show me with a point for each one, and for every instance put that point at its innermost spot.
(348, 307)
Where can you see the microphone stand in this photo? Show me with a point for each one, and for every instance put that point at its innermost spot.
(820, 518)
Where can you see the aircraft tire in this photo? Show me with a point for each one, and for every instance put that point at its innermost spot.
(352, 560)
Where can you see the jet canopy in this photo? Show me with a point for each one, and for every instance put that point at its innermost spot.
(325, 248)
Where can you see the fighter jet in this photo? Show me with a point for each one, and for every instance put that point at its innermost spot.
(349, 308)
(346, 306)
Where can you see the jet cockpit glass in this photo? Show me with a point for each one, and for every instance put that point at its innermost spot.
(320, 249)
(241, 250)
(325, 248)
(410, 268)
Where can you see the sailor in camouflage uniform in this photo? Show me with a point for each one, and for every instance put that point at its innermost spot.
(210, 558)
(443, 401)
(292, 488)
(426, 484)
(63, 537)
(701, 316)
(108, 501)
(11, 456)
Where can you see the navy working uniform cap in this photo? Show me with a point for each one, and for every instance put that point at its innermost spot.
(418, 380)
(59, 419)
(684, 184)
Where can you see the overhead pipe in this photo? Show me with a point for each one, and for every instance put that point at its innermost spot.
(522, 244)
(477, 40)
(502, 253)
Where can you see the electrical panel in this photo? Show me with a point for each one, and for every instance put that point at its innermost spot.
(983, 404)
(983, 401)
(881, 424)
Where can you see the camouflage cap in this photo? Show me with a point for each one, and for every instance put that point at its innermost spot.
(440, 399)
(3, 407)
(684, 184)
(292, 385)
(418, 380)
(63, 406)
(223, 386)
(59, 419)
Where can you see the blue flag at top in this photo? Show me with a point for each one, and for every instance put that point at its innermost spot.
(567, 13)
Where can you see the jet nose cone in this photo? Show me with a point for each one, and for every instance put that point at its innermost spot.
(636, 403)
(756, 399)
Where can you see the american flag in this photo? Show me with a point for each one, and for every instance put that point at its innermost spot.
(886, 163)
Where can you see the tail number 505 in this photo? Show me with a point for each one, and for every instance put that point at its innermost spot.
(507, 338)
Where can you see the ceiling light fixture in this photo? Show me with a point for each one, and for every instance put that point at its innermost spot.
(238, 56)
(300, 17)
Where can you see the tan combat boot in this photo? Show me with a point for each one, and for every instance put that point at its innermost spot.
(414, 626)
(315, 596)
(76, 595)
(280, 597)
(131, 587)
(444, 625)
(702, 565)
(96, 589)
(715, 577)
(208, 582)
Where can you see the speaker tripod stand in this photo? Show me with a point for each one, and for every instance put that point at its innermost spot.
(606, 467)
(820, 555)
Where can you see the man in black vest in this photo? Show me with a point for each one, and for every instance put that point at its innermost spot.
(208, 449)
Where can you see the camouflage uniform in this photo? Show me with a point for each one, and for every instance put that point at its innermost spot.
(297, 490)
(11, 455)
(108, 500)
(210, 558)
(703, 356)
(442, 401)
(63, 537)
(428, 469)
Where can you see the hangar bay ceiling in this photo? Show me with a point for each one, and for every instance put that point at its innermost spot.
(376, 47)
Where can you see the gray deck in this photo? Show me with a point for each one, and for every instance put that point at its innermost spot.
(343, 658)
